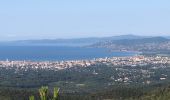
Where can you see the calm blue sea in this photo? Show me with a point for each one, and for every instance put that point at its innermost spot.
(52, 53)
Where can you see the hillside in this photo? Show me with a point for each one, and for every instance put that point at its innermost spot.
(143, 44)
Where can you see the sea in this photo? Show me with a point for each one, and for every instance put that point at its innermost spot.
(57, 53)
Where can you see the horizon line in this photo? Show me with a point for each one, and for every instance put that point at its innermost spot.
(85, 37)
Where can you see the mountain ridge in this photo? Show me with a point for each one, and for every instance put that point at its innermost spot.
(69, 42)
(144, 44)
(81, 42)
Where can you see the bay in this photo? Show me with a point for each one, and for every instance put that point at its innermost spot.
(57, 53)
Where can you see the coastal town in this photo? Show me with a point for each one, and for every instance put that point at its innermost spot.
(59, 65)
(129, 70)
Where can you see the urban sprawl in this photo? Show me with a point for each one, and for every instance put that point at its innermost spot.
(59, 65)
(127, 69)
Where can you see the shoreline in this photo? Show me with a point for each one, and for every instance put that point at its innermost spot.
(74, 60)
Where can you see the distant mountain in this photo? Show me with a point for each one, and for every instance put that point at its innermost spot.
(69, 42)
(129, 36)
(141, 44)
(168, 37)
(139, 41)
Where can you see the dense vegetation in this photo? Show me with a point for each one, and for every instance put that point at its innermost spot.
(119, 93)
(90, 83)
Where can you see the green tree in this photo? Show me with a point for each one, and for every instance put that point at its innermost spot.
(31, 98)
(56, 93)
(43, 91)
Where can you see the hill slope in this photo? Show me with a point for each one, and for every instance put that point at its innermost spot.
(143, 44)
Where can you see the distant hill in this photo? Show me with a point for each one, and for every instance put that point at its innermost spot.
(69, 42)
(139, 41)
(168, 37)
(142, 44)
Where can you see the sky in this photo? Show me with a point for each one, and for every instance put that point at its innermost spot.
(51, 19)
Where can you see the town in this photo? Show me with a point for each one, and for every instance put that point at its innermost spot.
(59, 65)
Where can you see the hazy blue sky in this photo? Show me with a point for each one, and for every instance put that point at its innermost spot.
(35, 19)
